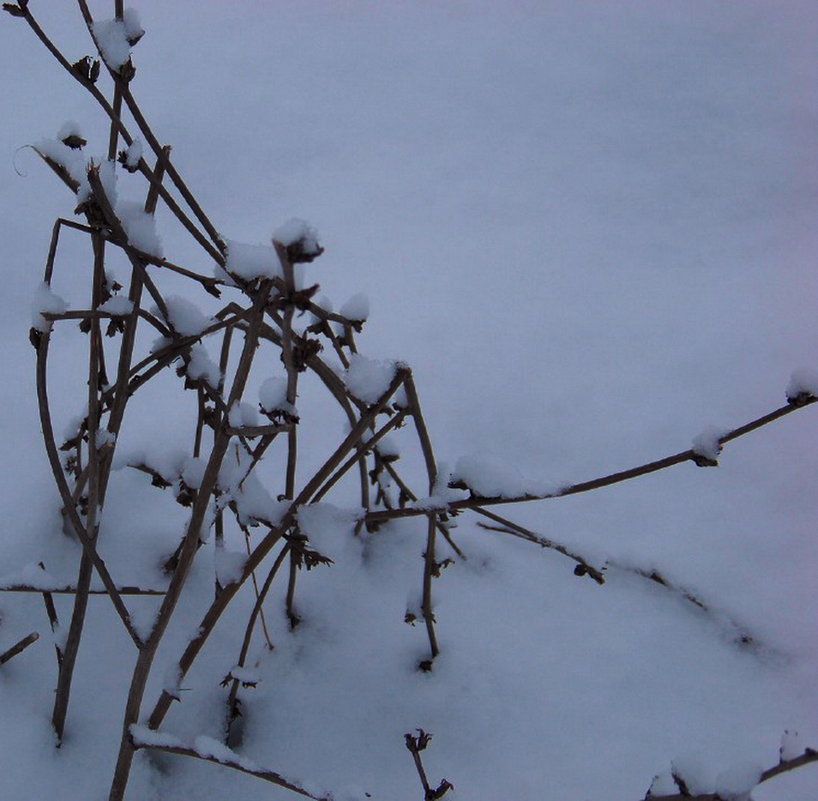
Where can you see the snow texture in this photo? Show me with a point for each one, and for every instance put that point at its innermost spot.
(185, 317)
(368, 379)
(442, 494)
(792, 745)
(295, 231)
(229, 566)
(735, 783)
(114, 37)
(803, 381)
(68, 129)
(140, 228)
(356, 308)
(193, 472)
(272, 396)
(707, 444)
(72, 160)
(243, 414)
(556, 203)
(202, 367)
(143, 736)
(491, 476)
(45, 300)
(118, 305)
(133, 153)
(252, 261)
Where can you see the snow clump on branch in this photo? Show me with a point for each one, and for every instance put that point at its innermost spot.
(116, 37)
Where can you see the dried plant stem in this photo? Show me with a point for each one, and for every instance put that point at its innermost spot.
(186, 555)
(19, 647)
(429, 557)
(54, 622)
(475, 501)
(508, 527)
(95, 499)
(429, 568)
(442, 528)
(236, 764)
(248, 631)
(64, 589)
(213, 614)
(69, 508)
(366, 447)
(784, 766)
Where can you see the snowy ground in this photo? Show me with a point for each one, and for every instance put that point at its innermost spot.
(590, 229)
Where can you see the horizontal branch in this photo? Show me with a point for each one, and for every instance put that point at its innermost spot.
(227, 759)
(690, 455)
(784, 766)
(67, 589)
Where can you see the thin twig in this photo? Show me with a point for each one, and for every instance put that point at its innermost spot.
(236, 762)
(474, 501)
(18, 647)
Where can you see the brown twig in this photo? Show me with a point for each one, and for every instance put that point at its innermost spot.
(416, 744)
(475, 500)
(232, 761)
(18, 647)
(784, 766)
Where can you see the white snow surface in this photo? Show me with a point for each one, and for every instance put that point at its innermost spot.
(133, 153)
(368, 379)
(591, 227)
(69, 128)
(706, 443)
(492, 476)
(201, 366)
(45, 300)
(73, 160)
(356, 308)
(803, 381)
(112, 37)
(297, 230)
(243, 414)
(118, 305)
(140, 227)
(272, 396)
(252, 261)
(185, 316)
